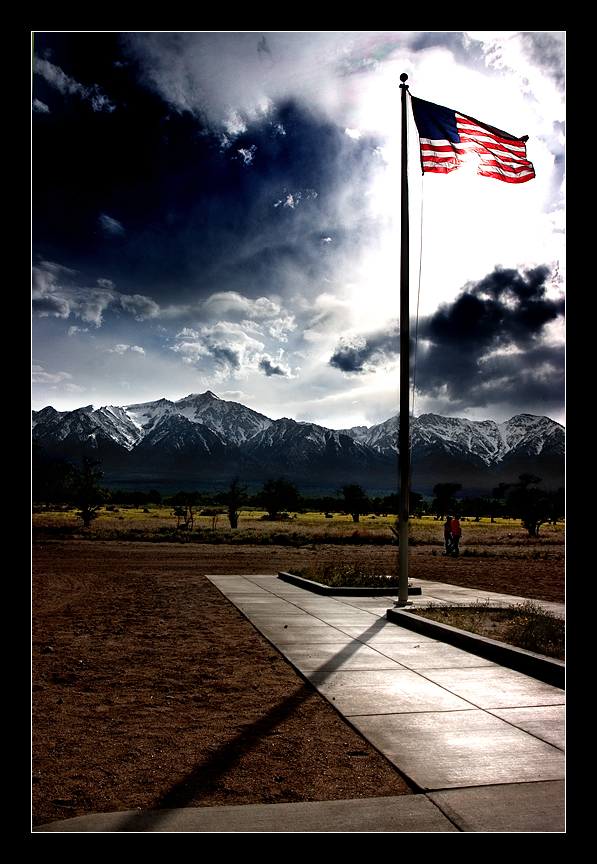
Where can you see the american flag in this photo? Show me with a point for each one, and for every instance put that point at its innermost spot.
(449, 139)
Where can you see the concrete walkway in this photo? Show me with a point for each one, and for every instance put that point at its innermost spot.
(482, 744)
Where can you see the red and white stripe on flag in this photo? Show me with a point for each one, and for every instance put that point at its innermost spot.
(497, 154)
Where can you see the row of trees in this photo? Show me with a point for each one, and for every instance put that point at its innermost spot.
(277, 497)
(524, 500)
(57, 481)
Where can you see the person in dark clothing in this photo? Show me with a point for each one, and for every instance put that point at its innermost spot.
(448, 534)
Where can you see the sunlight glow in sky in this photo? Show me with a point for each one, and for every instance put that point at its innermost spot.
(221, 210)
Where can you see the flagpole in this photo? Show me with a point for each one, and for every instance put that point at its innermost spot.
(404, 425)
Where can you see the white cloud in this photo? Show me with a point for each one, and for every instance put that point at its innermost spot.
(229, 79)
(67, 86)
(40, 376)
(122, 349)
(53, 296)
(224, 303)
(227, 346)
(293, 199)
(110, 226)
(54, 75)
(40, 107)
(139, 306)
(279, 327)
(248, 154)
(327, 316)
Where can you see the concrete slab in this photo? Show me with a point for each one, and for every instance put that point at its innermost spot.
(403, 814)
(383, 692)
(382, 633)
(453, 749)
(296, 633)
(496, 687)
(355, 617)
(448, 719)
(429, 654)
(485, 742)
(547, 722)
(334, 656)
(526, 807)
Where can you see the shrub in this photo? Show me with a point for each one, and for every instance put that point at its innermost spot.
(536, 629)
(347, 576)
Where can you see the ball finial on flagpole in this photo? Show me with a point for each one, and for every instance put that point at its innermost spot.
(404, 77)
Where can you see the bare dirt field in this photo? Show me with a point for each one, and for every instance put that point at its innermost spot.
(150, 690)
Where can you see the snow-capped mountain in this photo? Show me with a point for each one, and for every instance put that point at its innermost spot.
(467, 451)
(233, 421)
(202, 438)
(287, 447)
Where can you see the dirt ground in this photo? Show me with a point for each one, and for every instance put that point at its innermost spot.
(150, 690)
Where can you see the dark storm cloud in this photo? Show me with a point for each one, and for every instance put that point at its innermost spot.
(490, 344)
(359, 353)
(225, 356)
(141, 307)
(268, 368)
(197, 216)
(506, 308)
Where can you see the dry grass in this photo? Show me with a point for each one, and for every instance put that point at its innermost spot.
(347, 576)
(526, 625)
(504, 537)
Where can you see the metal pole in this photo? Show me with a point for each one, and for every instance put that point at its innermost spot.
(404, 425)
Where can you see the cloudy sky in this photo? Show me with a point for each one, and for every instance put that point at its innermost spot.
(221, 210)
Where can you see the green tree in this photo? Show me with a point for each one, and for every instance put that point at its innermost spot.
(233, 499)
(139, 498)
(529, 503)
(499, 494)
(329, 505)
(185, 504)
(278, 496)
(477, 507)
(444, 501)
(154, 497)
(356, 501)
(391, 503)
(51, 479)
(557, 505)
(85, 492)
(416, 504)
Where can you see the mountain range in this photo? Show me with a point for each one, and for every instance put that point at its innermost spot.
(202, 440)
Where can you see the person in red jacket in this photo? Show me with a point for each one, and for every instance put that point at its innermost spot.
(456, 533)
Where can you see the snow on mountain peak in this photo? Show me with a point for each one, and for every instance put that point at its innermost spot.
(476, 452)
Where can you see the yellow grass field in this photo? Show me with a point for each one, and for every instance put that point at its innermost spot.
(312, 525)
